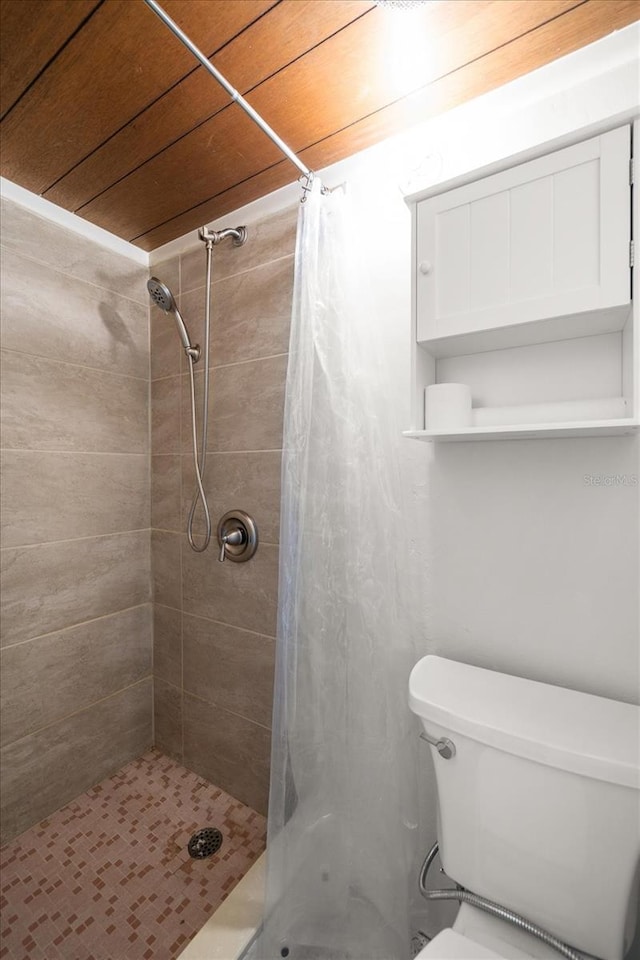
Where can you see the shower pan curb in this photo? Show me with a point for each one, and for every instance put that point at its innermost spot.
(230, 930)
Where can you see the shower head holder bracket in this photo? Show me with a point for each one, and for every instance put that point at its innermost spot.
(214, 237)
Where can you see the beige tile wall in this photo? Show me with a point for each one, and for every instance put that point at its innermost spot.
(76, 622)
(214, 624)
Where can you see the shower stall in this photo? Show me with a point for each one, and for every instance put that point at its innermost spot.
(136, 673)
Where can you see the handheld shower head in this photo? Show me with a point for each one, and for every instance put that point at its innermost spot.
(161, 295)
(163, 298)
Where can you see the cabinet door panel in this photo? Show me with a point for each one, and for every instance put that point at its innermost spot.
(489, 251)
(452, 289)
(531, 227)
(576, 227)
(547, 238)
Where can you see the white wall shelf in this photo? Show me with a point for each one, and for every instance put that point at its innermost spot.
(521, 289)
(587, 428)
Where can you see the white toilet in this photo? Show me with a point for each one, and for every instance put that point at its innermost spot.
(538, 810)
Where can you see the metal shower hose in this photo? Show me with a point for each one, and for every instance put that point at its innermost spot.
(200, 462)
(465, 896)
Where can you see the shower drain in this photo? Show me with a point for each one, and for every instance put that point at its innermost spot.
(204, 843)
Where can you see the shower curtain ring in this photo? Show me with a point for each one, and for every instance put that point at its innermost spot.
(306, 182)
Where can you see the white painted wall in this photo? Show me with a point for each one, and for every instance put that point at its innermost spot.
(516, 562)
(519, 561)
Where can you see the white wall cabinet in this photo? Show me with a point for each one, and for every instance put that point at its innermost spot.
(523, 263)
(547, 238)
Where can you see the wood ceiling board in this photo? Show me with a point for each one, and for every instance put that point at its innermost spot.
(225, 156)
(247, 60)
(114, 67)
(583, 25)
(43, 27)
(331, 87)
(580, 26)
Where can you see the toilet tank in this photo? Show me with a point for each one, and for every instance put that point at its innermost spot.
(539, 808)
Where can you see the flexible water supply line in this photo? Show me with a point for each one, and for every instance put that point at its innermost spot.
(488, 906)
(200, 461)
(199, 468)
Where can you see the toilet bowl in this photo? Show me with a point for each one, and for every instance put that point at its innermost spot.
(538, 811)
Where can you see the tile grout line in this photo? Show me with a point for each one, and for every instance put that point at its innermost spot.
(224, 623)
(231, 276)
(238, 363)
(180, 533)
(79, 453)
(75, 713)
(231, 713)
(221, 623)
(224, 366)
(215, 453)
(94, 536)
(72, 276)
(73, 626)
(71, 363)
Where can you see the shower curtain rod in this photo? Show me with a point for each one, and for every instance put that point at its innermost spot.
(233, 93)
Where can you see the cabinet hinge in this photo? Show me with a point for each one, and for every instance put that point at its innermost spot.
(631, 171)
(632, 253)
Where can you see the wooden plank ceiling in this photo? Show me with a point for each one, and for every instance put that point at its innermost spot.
(105, 113)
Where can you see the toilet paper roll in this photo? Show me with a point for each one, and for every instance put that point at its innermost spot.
(447, 406)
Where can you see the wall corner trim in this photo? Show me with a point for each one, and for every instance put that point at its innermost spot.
(64, 218)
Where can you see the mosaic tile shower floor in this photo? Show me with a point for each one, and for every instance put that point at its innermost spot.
(109, 876)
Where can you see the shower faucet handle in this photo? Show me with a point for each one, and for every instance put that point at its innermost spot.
(235, 538)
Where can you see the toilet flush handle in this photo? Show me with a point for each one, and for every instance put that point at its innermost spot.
(445, 747)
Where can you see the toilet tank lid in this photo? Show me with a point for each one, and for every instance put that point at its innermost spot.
(577, 732)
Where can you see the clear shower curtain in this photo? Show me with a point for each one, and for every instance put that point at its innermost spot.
(342, 817)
